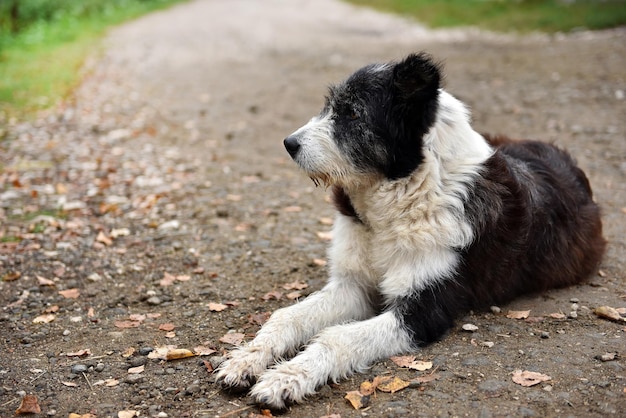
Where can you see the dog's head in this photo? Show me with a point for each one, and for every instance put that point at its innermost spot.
(372, 124)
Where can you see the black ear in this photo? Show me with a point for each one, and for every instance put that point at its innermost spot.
(417, 77)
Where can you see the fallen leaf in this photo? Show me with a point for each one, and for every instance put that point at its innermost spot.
(557, 315)
(208, 366)
(425, 379)
(136, 370)
(167, 280)
(154, 315)
(52, 309)
(357, 400)
(293, 295)
(69, 384)
(44, 319)
(111, 382)
(126, 324)
(295, 286)
(608, 312)
(73, 415)
(91, 312)
(518, 314)
(178, 353)
(161, 352)
(79, 353)
(203, 351)
(127, 414)
(526, 378)
(167, 327)
(70, 293)
(128, 352)
(367, 388)
(411, 363)
(137, 317)
(29, 405)
(234, 338)
(275, 294)
(10, 276)
(259, 318)
(121, 232)
(331, 416)
(292, 209)
(183, 278)
(394, 385)
(45, 282)
(103, 238)
(170, 334)
(217, 307)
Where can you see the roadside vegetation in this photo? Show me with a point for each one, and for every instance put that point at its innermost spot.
(43, 44)
(510, 15)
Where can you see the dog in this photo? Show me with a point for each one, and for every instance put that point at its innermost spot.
(434, 220)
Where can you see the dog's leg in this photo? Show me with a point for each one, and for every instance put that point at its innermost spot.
(346, 297)
(336, 352)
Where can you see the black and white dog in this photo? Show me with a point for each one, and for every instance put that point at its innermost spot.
(433, 220)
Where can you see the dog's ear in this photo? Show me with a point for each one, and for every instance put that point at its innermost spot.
(416, 77)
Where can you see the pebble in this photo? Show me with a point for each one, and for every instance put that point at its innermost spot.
(492, 386)
(99, 367)
(79, 368)
(495, 309)
(544, 335)
(144, 351)
(469, 327)
(191, 389)
(137, 361)
(133, 379)
(154, 300)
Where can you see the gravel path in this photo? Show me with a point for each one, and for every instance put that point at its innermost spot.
(157, 208)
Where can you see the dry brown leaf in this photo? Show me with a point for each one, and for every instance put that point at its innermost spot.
(167, 327)
(425, 379)
(259, 318)
(411, 363)
(331, 416)
(518, 314)
(526, 378)
(295, 286)
(203, 351)
(103, 238)
(69, 384)
(137, 317)
(44, 319)
(394, 385)
(178, 353)
(161, 352)
(292, 209)
(217, 307)
(29, 405)
(183, 278)
(111, 382)
(79, 353)
(608, 312)
(154, 315)
(357, 400)
(367, 388)
(126, 324)
(42, 281)
(209, 367)
(167, 280)
(274, 294)
(234, 338)
(557, 315)
(73, 415)
(91, 313)
(136, 370)
(293, 295)
(10, 276)
(128, 352)
(70, 293)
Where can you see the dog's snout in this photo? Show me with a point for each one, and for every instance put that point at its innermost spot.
(292, 145)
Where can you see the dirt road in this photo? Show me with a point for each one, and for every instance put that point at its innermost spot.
(157, 207)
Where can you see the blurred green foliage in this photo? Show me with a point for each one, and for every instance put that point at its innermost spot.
(510, 15)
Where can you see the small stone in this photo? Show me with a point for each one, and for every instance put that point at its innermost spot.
(66, 332)
(154, 300)
(572, 315)
(137, 361)
(469, 327)
(144, 351)
(606, 357)
(133, 379)
(488, 344)
(495, 309)
(574, 300)
(79, 368)
(99, 367)
(544, 335)
(162, 415)
(191, 389)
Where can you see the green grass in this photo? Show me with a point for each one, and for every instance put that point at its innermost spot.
(42, 50)
(510, 15)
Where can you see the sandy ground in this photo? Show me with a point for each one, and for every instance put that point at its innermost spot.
(162, 194)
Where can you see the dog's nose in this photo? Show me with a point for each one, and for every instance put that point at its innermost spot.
(292, 145)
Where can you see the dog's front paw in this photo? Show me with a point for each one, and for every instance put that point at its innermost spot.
(245, 364)
(283, 385)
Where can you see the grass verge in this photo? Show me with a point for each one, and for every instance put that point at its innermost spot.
(39, 64)
(508, 15)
